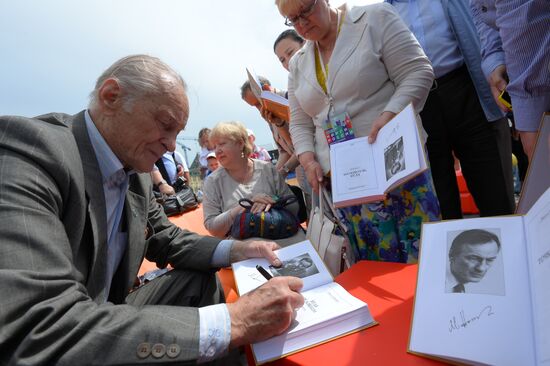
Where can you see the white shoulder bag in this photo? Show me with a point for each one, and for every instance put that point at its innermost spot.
(334, 249)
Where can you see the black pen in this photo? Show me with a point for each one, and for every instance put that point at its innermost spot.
(264, 273)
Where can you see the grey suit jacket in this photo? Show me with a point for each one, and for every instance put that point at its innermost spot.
(53, 251)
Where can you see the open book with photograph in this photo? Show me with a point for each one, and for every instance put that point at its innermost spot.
(363, 172)
(329, 310)
(482, 294)
(274, 103)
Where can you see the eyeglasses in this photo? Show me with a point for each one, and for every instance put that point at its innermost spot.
(290, 22)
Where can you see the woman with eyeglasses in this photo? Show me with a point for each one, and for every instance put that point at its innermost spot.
(363, 62)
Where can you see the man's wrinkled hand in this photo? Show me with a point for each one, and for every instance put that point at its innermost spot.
(255, 249)
(265, 312)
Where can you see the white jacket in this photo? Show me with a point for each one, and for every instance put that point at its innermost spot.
(376, 65)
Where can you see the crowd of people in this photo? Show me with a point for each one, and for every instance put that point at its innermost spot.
(79, 214)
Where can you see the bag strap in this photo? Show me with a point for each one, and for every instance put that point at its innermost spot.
(162, 169)
(285, 201)
(246, 203)
(280, 203)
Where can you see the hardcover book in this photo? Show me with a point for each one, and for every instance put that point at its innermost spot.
(482, 294)
(363, 172)
(274, 103)
(329, 311)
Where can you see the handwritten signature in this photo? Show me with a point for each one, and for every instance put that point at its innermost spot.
(463, 322)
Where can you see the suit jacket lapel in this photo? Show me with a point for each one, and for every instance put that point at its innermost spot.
(96, 207)
(346, 43)
(306, 66)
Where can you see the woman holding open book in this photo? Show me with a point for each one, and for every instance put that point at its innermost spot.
(363, 63)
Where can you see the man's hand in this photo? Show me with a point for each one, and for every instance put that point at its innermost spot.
(498, 80)
(255, 249)
(265, 312)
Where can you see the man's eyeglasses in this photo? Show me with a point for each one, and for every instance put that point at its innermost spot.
(290, 22)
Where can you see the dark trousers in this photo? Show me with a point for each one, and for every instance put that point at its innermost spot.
(184, 288)
(454, 121)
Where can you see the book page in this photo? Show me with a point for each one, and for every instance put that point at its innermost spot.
(255, 86)
(537, 227)
(328, 312)
(299, 260)
(353, 171)
(473, 292)
(397, 148)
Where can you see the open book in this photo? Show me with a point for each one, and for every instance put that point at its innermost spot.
(363, 172)
(482, 293)
(272, 102)
(329, 310)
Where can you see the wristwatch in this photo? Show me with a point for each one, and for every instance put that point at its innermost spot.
(161, 183)
(286, 170)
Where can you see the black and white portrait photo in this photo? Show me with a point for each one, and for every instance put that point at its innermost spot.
(474, 262)
(394, 159)
(300, 266)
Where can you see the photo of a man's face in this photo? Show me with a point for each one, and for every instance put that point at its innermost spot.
(472, 261)
(393, 158)
(301, 266)
(472, 254)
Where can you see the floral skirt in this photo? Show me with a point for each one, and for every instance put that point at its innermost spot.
(389, 230)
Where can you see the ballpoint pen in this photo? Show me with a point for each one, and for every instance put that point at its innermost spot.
(264, 273)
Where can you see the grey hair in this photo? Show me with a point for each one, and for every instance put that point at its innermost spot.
(138, 76)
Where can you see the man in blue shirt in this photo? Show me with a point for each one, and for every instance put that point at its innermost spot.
(515, 44)
(78, 217)
(460, 114)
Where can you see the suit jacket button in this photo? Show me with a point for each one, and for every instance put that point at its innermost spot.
(158, 350)
(144, 350)
(173, 350)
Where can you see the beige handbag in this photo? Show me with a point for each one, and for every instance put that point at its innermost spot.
(334, 249)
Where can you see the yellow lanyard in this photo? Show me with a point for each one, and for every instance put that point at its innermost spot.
(321, 69)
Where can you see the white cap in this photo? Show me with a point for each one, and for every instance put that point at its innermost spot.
(250, 132)
(211, 155)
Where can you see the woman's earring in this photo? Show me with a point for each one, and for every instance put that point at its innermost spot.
(242, 154)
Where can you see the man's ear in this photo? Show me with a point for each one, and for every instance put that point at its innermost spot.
(109, 95)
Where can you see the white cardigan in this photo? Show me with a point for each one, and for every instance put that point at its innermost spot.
(377, 65)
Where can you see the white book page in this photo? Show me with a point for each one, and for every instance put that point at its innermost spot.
(353, 170)
(299, 260)
(266, 94)
(255, 86)
(490, 322)
(328, 312)
(396, 148)
(537, 227)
